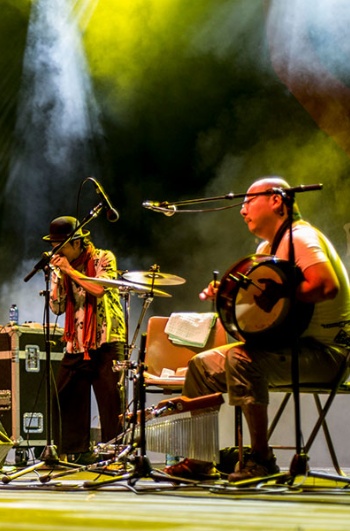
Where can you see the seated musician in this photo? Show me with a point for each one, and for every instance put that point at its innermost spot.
(245, 370)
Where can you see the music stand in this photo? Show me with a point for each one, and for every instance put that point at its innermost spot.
(49, 456)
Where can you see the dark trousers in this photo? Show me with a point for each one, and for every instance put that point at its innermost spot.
(71, 412)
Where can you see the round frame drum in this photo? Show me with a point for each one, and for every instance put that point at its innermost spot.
(254, 301)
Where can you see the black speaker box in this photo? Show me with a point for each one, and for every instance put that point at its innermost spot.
(23, 386)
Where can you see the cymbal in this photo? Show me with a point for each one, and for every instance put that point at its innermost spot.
(154, 278)
(127, 286)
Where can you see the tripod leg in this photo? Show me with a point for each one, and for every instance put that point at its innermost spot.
(142, 465)
(7, 478)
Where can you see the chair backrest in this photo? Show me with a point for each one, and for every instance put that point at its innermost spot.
(162, 353)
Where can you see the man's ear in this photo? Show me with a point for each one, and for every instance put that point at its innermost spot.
(277, 204)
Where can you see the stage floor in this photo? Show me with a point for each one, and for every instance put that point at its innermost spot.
(79, 501)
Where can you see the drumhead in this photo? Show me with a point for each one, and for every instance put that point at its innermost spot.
(246, 309)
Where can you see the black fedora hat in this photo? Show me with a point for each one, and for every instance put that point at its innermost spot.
(62, 227)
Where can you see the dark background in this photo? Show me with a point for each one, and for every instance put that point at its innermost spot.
(166, 100)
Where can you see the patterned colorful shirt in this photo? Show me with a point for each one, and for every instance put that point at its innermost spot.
(110, 315)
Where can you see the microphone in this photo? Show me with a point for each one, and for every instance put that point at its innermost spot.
(112, 214)
(164, 207)
(298, 189)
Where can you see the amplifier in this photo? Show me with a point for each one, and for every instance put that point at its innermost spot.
(23, 388)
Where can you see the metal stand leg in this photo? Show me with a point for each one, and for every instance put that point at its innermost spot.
(142, 465)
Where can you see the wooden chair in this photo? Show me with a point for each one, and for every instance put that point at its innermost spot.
(161, 353)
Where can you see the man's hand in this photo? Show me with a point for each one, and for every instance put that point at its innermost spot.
(209, 293)
(61, 262)
(272, 293)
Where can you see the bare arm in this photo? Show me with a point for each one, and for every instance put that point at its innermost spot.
(320, 284)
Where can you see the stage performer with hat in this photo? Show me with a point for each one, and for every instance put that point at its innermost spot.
(95, 335)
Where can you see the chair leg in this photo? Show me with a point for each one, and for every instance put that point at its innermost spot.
(321, 421)
(278, 414)
(322, 411)
(239, 433)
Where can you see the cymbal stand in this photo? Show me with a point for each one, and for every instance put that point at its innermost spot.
(147, 301)
(148, 298)
(142, 465)
(129, 347)
(124, 367)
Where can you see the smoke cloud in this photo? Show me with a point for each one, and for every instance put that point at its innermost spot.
(173, 100)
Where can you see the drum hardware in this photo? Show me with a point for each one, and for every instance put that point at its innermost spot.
(147, 293)
(154, 277)
(127, 287)
(141, 465)
(254, 301)
(124, 365)
(122, 451)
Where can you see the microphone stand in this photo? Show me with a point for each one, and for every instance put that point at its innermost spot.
(142, 464)
(49, 455)
(299, 462)
(46, 257)
(170, 208)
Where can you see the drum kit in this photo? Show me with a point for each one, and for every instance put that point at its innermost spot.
(143, 284)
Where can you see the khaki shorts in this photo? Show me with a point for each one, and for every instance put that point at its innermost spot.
(246, 373)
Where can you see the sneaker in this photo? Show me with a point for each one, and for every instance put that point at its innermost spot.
(254, 467)
(229, 457)
(193, 469)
